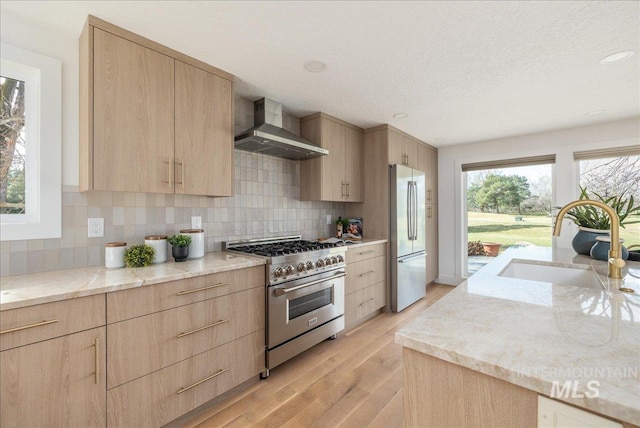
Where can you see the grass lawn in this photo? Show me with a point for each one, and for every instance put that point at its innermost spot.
(534, 229)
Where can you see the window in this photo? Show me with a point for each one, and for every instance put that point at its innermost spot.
(30, 145)
(613, 172)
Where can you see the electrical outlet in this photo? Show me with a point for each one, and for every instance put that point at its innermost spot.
(196, 222)
(328, 218)
(96, 227)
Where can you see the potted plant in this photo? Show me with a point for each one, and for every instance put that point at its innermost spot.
(179, 247)
(139, 255)
(491, 249)
(593, 221)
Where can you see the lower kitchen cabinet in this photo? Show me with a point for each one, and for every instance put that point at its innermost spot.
(164, 395)
(55, 383)
(366, 282)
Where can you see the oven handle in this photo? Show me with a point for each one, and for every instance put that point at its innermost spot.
(279, 291)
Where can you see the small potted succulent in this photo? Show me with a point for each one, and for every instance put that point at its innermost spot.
(139, 255)
(179, 247)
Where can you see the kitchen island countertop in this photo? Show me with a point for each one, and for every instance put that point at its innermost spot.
(533, 334)
(33, 289)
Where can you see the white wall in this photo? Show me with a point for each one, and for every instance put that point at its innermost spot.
(452, 222)
(36, 38)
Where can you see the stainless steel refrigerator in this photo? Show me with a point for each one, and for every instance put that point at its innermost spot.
(407, 232)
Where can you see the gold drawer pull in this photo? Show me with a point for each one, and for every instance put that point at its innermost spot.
(362, 253)
(364, 303)
(218, 373)
(367, 273)
(209, 287)
(24, 327)
(97, 360)
(203, 328)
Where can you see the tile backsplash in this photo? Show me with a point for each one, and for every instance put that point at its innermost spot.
(266, 203)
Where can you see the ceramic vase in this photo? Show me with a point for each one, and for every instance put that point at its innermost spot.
(585, 239)
(600, 250)
(180, 254)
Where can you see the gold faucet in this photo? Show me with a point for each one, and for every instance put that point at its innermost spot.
(615, 252)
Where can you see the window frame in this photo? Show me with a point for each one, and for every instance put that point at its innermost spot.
(43, 166)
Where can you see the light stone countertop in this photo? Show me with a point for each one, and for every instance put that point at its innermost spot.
(366, 242)
(532, 333)
(33, 289)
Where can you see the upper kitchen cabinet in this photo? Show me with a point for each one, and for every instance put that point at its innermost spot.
(428, 162)
(152, 119)
(403, 149)
(339, 175)
(204, 132)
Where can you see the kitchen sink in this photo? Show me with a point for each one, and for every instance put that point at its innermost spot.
(557, 273)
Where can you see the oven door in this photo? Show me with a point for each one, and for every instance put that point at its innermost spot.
(302, 305)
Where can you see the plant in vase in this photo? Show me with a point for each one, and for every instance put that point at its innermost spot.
(179, 247)
(593, 222)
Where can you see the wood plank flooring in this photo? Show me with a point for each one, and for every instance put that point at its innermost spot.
(351, 382)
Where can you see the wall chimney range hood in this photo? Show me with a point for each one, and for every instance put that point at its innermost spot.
(268, 137)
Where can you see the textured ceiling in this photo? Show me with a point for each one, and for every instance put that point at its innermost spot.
(462, 71)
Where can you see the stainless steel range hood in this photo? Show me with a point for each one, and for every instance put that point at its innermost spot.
(268, 137)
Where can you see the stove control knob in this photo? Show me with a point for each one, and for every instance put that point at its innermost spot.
(334, 260)
(340, 259)
(327, 261)
(309, 265)
(278, 272)
(289, 269)
(301, 267)
(320, 263)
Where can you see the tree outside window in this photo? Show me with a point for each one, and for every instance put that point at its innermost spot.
(12, 146)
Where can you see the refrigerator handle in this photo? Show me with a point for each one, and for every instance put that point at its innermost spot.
(409, 212)
(415, 211)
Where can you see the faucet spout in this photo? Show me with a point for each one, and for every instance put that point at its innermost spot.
(615, 251)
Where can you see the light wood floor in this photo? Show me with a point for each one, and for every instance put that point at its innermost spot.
(351, 382)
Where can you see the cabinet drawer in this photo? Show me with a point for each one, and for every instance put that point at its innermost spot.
(365, 273)
(122, 305)
(142, 345)
(364, 302)
(162, 396)
(366, 252)
(31, 324)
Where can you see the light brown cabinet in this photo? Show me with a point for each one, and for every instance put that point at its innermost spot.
(152, 119)
(404, 150)
(339, 175)
(52, 367)
(204, 132)
(366, 283)
(177, 345)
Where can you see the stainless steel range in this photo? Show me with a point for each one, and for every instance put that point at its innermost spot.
(305, 292)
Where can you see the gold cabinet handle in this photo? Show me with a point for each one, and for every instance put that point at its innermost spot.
(367, 273)
(362, 253)
(96, 345)
(367, 301)
(208, 287)
(170, 174)
(429, 194)
(203, 328)
(429, 212)
(181, 183)
(24, 327)
(347, 189)
(218, 373)
(342, 189)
